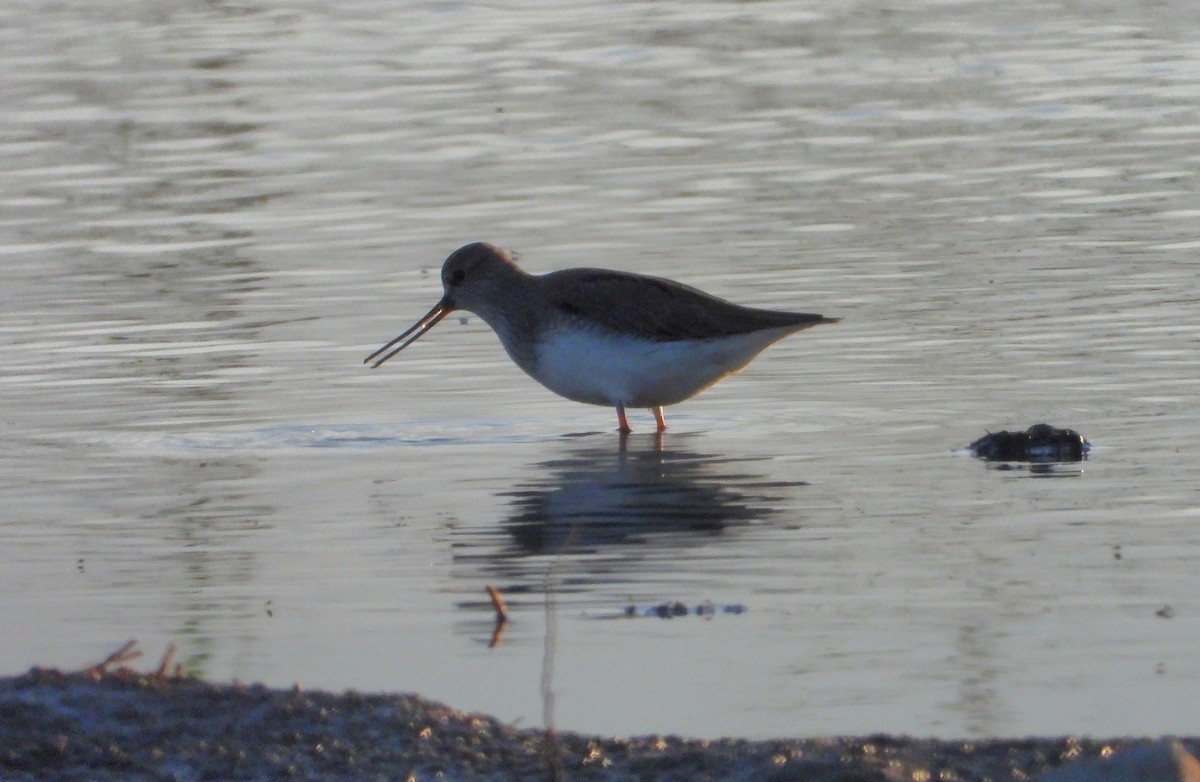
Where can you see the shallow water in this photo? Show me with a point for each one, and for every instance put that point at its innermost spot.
(213, 212)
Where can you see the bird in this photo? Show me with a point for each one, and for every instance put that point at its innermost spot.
(604, 337)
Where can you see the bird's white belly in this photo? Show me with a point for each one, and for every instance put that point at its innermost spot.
(599, 368)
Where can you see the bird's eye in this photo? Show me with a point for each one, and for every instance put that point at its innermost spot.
(456, 276)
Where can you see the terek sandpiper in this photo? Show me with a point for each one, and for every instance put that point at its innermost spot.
(604, 337)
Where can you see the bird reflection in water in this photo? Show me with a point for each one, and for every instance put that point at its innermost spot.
(639, 503)
(615, 516)
(598, 496)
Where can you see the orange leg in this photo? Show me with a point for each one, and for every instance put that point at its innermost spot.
(658, 416)
(622, 421)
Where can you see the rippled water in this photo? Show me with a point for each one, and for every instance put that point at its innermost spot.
(212, 211)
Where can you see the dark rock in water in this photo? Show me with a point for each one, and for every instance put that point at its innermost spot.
(1038, 443)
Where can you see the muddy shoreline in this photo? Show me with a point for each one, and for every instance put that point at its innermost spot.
(100, 726)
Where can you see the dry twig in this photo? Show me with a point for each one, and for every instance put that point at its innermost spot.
(123, 655)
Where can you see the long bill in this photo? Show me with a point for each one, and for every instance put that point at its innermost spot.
(441, 310)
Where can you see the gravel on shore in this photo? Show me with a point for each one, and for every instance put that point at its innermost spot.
(101, 725)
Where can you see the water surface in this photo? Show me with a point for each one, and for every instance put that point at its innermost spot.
(212, 213)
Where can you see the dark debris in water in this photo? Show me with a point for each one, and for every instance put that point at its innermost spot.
(1040, 443)
(673, 609)
(102, 727)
